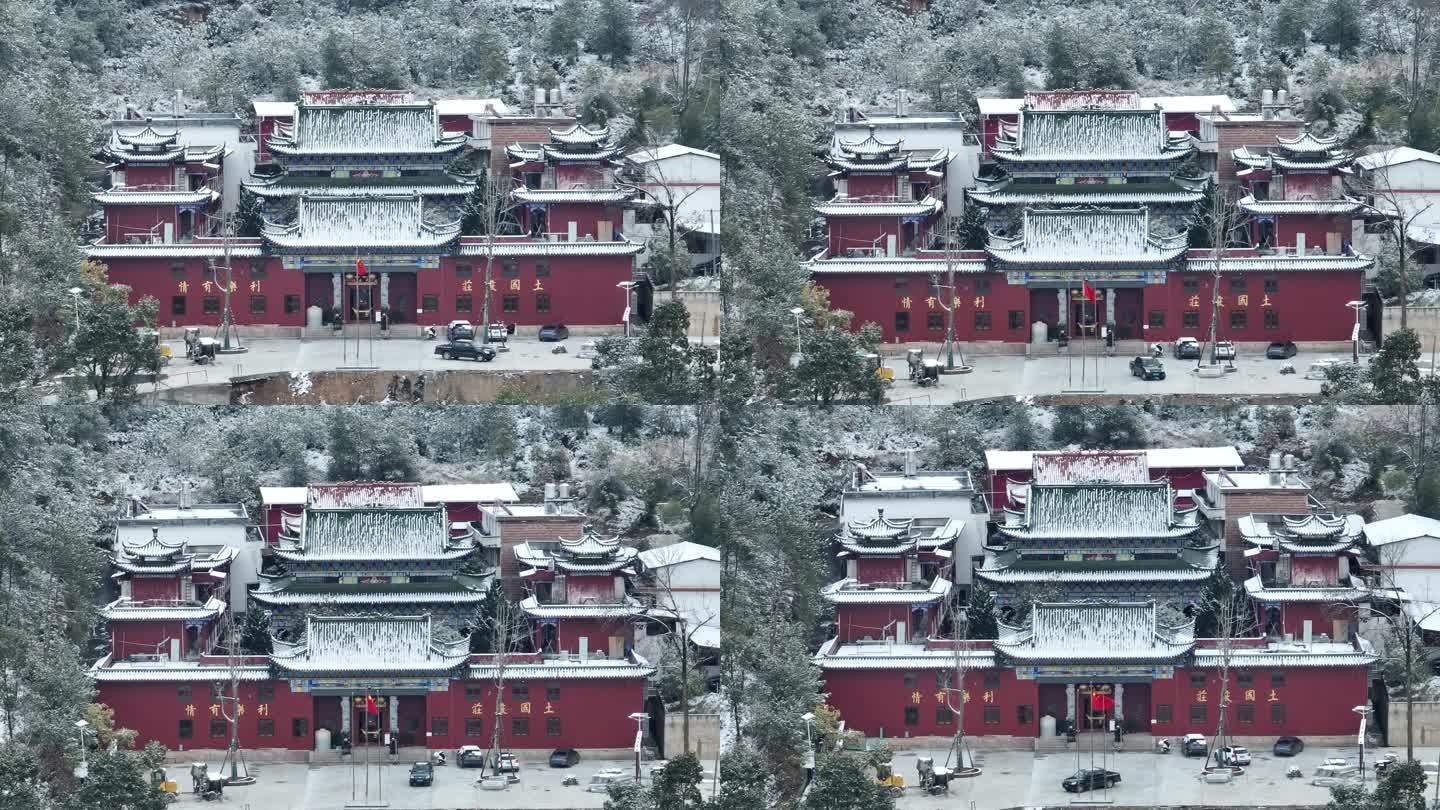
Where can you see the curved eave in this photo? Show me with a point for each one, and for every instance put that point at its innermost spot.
(572, 196)
(1016, 156)
(282, 190)
(1019, 257)
(1335, 207)
(1011, 196)
(579, 248)
(1269, 264)
(1006, 576)
(282, 148)
(841, 208)
(298, 556)
(113, 197)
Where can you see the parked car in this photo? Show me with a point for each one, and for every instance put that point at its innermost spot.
(1280, 350)
(1187, 348)
(564, 758)
(1232, 755)
(459, 329)
(505, 762)
(1194, 745)
(471, 756)
(1317, 369)
(422, 774)
(1224, 350)
(602, 779)
(551, 332)
(465, 349)
(1147, 368)
(1289, 746)
(1090, 779)
(497, 333)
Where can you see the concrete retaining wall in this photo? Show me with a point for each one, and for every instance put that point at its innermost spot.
(1424, 320)
(704, 735)
(704, 309)
(344, 387)
(1427, 723)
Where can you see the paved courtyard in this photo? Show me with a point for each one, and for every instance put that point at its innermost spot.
(1023, 779)
(1008, 375)
(286, 786)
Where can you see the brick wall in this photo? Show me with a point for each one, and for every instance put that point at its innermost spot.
(542, 528)
(1242, 502)
(505, 131)
(1235, 134)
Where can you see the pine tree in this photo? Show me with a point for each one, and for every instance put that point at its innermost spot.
(1060, 58)
(1070, 426)
(335, 62)
(345, 461)
(980, 614)
(1012, 79)
(1340, 26)
(485, 57)
(562, 40)
(1212, 46)
(613, 38)
(1290, 21)
(1020, 435)
(255, 632)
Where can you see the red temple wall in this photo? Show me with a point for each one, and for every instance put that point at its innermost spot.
(880, 569)
(142, 175)
(592, 713)
(581, 589)
(125, 221)
(870, 185)
(585, 216)
(849, 233)
(144, 638)
(1308, 186)
(456, 123)
(1315, 228)
(874, 702)
(146, 588)
(597, 632)
(1314, 570)
(877, 297)
(857, 622)
(1311, 306)
(155, 710)
(1309, 696)
(1322, 618)
(265, 127)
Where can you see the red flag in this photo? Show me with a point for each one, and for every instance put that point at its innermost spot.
(1087, 291)
(1101, 702)
(361, 271)
(370, 707)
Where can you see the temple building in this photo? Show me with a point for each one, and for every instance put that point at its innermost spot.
(1295, 195)
(1184, 467)
(379, 179)
(1305, 570)
(159, 187)
(1088, 156)
(369, 595)
(579, 600)
(1181, 113)
(1097, 526)
(888, 199)
(566, 188)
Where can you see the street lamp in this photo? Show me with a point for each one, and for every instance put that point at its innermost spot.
(75, 293)
(1364, 712)
(1355, 334)
(625, 321)
(809, 718)
(639, 718)
(83, 769)
(799, 350)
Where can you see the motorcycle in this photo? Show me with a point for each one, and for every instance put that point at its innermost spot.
(1162, 745)
(437, 758)
(430, 333)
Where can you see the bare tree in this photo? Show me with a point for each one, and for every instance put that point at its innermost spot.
(1389, 604)
(668, 199)
(1220, 221)
(488, 208)
(688, 621)
(1396, 218)
(947, 302)
(507, 629)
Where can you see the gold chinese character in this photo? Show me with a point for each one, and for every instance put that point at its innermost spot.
(1273, 697)
(915, 697)
(477, 709)
(1265, 302)
(184, 287)
(214, 710)
(190, 710)
(502, 709)
(965, 696)
(538, 286)
(515, 285)
(467, 286)
(1242, 300)
(491, 282)
(525, 707)
(1219, 300)
(1225, 698)
(255, 286)
(207, 285)
(989, 696)
(240, 710)
(1250, 695)
(930, 302)
(955, 302)
(549, 709)
(232, 286)
(979, 302)
(940, 697)
(1194, 302)
(905, 302)
(1202, 696)
(263, 710)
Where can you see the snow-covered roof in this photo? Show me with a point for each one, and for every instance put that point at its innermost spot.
(834, 655)
(546, 247)
(147, 137)
(123, 196)
(201, 513)
(1344, 205)
(1095, 571)
(668, 151)
(1401, 528)
(274, 109)
(1128, 194)
(496, 492)
(1313, 263)
(954, 481)
(1308, 143)
(572, 195)
(437, 185)
(374, 534)
(356, 644)
(894, 264)
(1280, 654)
(841, 206)
(471, 106)
(1170, 104)
(1394, 157)
(364, 495)
(369, 129)
(1091, 136)
(565, 668)
(589, 554)
(1115, 466)
(605, 610)
(461, 589)
(1314, 593)
(122, 610)
(852, 592)
(351, 223)
(107, 670)
(1070, 236)
(1095, 631)
(1100, 510)
(179, 250)
(1255, 479)
(1309, 533)
(678, 554)
(1157, 458)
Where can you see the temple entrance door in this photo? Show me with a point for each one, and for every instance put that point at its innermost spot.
(403, 298)
(362, 300)
(1135, 704)
(1045, 306)
(1052, 702)
(319, 292)
(412, 719)
(1090, 718)
(1127, 313)
(379, 724)
(187, 224)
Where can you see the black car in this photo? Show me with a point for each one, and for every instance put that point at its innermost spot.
(1090, 779)
(1147, 368)
(471, 756)
(422, 774)
(1289, 746)
(1280, 350)
(551, 332)
(564, 758)
(465, 349)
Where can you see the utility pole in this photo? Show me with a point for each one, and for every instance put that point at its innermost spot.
(239, 772)
(227, 317)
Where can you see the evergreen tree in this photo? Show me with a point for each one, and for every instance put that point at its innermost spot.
(613, 37)
(980, 614)
(1060, 60)
(843, 783)
(1290, 21)
(255, 632)
(1020, 435)
(335, 62)
(1069, 427)
(1117, 427)
(1111, 68)
(1395, 371)
(343, 447)
(1012, 79)
(1339, 28)
(485, 58)
(1212, 45)
(122, 780)
(566, 25)
(249, 214)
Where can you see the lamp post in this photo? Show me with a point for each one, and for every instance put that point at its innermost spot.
(639, 718)
(1364, 712)
(625, 313)
(1355, 334)
(799, 349)
(75, 293)
(83, 769)
(809, 718)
